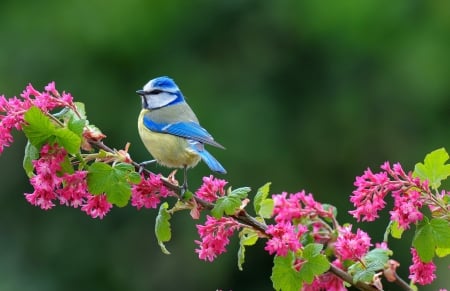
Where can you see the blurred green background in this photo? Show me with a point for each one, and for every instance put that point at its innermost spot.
(305, 94)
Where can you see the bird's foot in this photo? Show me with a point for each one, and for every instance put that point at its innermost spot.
(143, 164)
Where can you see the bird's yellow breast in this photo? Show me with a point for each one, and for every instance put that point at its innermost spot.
(168, 150)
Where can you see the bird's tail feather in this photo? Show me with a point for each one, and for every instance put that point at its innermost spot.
(212, 163)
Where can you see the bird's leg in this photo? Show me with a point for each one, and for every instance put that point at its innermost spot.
(143, 164)
(184, 187)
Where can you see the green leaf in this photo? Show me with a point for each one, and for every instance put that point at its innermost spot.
(374, 261)
(266, 209)
(38, 128)
(241, 193)
(76, 125)
(442, 252)
(284, 276)
(260, 196)
(431, 235)
(315, 262)
(31, 153)
(230, 203)
(434, 169)
(162, 227)
(396, 230)
(247, 237)
(114, 181)
(68, 140)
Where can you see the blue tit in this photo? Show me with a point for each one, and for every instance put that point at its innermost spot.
(170, 130)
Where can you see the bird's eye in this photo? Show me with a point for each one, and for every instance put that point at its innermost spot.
(154, 92)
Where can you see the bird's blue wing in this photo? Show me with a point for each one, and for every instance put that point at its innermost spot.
(188, 130)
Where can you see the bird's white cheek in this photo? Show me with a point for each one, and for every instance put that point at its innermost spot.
(160, 100)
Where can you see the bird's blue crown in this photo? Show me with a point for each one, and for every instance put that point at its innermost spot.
(162, 83)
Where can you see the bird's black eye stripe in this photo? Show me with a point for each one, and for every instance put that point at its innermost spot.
(154, 92)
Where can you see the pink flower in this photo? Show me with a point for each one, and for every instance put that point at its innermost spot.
(148, 192)
(211, 188)
(75, 189)
(12, 110)
(368, 198)
(46, 180)
(284, 238)
(406, 208)
(297, 206)
(350, 246)
(51, 88)
(371, 190)
(97, 206)
(215, 236)
(420, 272)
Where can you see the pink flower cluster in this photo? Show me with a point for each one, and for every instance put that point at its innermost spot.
(215, 236)
(211, 189)
(297, 206)
(289, 210)
(285, 237)
(420, 272)
(12, 110)
(148, 192)
(351, 246)
(69, 189)
(368, 198)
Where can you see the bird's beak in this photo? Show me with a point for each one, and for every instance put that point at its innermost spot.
(140, 92)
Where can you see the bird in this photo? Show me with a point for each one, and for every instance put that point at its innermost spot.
(170, 130)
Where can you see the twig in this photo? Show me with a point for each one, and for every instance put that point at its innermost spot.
(401, 283)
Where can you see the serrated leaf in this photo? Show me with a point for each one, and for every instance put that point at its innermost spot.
(423, 241)
(430, 235)
(261, 194)
(68, 140)
(434, 169)
(374, 261)
(315, 263)
(366, 273)
(31, 153)
(240, 193)
(114, 181)
(225, 205)
(441, 232)
(230, 203)
(284, 276)
(134, 178)
(163, 231)
(38, 128)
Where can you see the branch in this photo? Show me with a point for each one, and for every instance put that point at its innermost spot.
(243, 217)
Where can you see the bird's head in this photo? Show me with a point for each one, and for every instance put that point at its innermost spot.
(160, 92)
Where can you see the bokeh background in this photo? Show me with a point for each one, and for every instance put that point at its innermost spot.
(305, 94)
